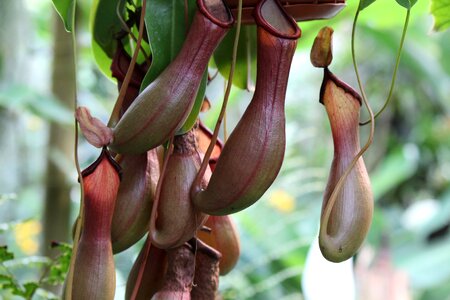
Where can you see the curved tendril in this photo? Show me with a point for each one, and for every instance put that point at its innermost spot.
(68, 292)
(116, 111)
(204, 165)
(337, 189)
(394, 74)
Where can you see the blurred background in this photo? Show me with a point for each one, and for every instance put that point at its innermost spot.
(407, 252)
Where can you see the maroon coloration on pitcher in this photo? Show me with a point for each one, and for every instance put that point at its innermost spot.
(222, 236)
(300, 10)
(155, 261)
(344, 224)
(94, 272)
(174, 219)
(162, 108)
(204, 136)
(252, 156)
(135, 198)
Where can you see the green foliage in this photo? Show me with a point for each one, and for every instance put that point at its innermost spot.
(8, 281)
(245, 60)
(66, 10)
(168, 31)
(53, 271)
(105, 26)
(440, 9)
(60, 266)
(5, 255)
(22, 97)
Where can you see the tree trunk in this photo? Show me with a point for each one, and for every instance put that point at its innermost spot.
(58, 186)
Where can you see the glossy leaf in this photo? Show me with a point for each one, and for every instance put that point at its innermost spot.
(440, 9)
(105, 25)
(167, 22)
(246, 54)
(406, 3)
(66, 10)
(364, 4)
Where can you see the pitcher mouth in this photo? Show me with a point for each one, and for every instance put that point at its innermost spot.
(280, 23)
(216, 11)
(328, 75)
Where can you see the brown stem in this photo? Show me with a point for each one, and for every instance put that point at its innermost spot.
(117, 107)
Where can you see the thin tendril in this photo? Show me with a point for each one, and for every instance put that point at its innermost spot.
(338, 187)
(117, 107)
(225, 127)
(394, 75)
(79, 220)
(201, 172)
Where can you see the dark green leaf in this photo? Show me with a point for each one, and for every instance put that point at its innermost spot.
(167, 30)
(105, 26)
(30, 288)
(245, 60)
(365, 3)
(66, 9)
(440, 9)
(406, 3)
(106, 23)
(5, 279)
(5, 255)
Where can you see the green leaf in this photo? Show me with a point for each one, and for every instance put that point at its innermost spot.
(60, 266)
(246, 56)
(364, 4)
(440, 9)
(406, 3)
(66, 10)
(105, 25)
(30, 289)
(192, 118)
(167, 30)
(5, 255)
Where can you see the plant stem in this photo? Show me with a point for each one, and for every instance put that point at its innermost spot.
(68, 291)
(123, 90)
